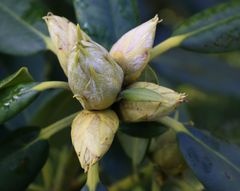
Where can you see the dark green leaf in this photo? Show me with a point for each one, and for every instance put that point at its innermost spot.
(66, 105)
(21, 76)
(143, 129)
(19, 169)
(134, 147)
(216, 29)
(14, 140)
(199, 70)
(17, 36)
(14, 99)
(215, 163)
(105, 21)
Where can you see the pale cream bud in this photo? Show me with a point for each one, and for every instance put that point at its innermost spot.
(93, 76)
(63, 34)
(92, 135)
(162, 101)
(131, 51)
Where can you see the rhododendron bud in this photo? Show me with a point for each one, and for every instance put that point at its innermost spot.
(63, 34)
(131, 51)
(93, 76)
(148, 102)
(92, 135)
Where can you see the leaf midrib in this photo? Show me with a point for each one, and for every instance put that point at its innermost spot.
(21, 21)
(214, 151)
(207, 27)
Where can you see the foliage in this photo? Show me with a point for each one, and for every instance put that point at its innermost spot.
(36, 151)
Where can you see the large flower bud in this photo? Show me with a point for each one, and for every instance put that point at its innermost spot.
(92, 135)
(93, 76)
(131, 51)
(148, 102)
(63, 34)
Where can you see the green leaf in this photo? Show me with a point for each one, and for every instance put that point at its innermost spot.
(16, 139)
(105, 21)
(216, 29)
(216, 164)
(21, 76)
(20, 168)
(199, 70)
(66, 105)
(18, 91)
(17, 36)
(14, 99)
(143, 129)
(21, 159)
(135, 148)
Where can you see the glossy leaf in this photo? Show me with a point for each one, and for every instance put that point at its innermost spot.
(19, 169)
(14, 99)
(16, 139)
(105, 21)
(199, 70)
(66, 105)
(216, 164)
(216, 29)
(143, 129)
(21, 76)
(134, 147)
(17, 36)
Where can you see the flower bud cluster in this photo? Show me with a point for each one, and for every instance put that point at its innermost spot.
(96, 77)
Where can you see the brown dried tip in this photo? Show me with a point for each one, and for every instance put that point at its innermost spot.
(156, 18)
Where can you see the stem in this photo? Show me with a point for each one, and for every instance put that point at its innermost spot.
(171, 42)
(47, 174)
(51, 84)
(35, 187)
(50, 130)
(79, 182)
(60, 173)
(93, 177)
(155, 186)
(173, 123)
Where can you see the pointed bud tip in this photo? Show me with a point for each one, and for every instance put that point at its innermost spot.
(183, 98)
(156, 19)
(49, 14)
(131, 51)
